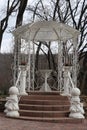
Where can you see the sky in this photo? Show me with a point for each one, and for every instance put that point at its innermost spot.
(8, 39)
(7, 45)
(7, 42)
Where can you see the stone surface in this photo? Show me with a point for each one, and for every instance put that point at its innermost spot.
(44, 106)
(12, 103)
(76, 108)
(15, 124)
(13, 91)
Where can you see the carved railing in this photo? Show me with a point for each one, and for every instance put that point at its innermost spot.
(18, 79)
(76, 108)
(21, 81)
(71, 83)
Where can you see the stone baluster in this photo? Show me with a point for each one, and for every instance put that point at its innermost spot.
(66, 80)
(12, 103)
(76, 109)
(22, 87)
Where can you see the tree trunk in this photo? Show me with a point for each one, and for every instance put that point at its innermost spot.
(83, 83)
(23, 4)
(21, 11)
(1, 36)
(37, 56)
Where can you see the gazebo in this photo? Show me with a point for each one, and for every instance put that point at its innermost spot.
(66, 72)
(48, 31)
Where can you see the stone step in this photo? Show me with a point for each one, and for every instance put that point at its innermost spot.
(43, 102)
(53, 120)
(45, 97)
(44, 107)
(43, 93)
(31, 113)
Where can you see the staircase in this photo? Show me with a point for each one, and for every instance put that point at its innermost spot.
(46, 106)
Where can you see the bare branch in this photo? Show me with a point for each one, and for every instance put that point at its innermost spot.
(55, 9)
(82, 13)
(35, 10)
(72, 16)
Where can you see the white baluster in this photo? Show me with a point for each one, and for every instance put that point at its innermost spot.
(76, 109)
(12, 103)
(66, 80)
(22, 90)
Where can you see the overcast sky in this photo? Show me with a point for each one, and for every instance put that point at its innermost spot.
(7, 42)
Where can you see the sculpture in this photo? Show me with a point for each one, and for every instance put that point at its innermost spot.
(76, 109)
(12, 103)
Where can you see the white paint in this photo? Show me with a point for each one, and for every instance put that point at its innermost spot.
(76, 109)
(66, 80)
(22, 86)
(12, 103)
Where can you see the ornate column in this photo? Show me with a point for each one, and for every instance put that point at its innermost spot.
(28, 66)
(33, 69)
(60, 65)
(75, 57)
(66, 80)
(22, 88)
(17, 48)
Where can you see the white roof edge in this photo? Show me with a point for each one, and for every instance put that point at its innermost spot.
(44, 24)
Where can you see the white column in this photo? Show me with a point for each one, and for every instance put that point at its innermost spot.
(66, 80)
(22, 90)
(33, 66)
(17, 49)
(28, 67)
(60, 65)
(74, 74)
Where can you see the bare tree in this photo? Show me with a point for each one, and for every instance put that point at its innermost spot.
(68, 12)
(11, 6)
(19, 21)
(63, 11)
(6, 72)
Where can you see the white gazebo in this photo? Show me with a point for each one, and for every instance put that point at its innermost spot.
(47, 31)
(66, 68)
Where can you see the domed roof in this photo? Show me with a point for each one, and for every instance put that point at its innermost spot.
(46, 31)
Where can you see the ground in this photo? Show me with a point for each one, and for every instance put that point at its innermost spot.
(13, 124)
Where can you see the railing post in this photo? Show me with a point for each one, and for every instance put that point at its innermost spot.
(66, 80)
(12, 103)
(22, 87)
(76, 108)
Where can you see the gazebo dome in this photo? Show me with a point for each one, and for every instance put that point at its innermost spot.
(46, 31)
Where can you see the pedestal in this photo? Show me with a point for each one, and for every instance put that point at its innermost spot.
(22, 90)
(66, 80)
(45, 87)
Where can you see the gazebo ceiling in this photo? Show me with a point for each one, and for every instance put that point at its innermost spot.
(46, 31)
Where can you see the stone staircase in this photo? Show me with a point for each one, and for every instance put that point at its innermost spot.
(46, 106)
